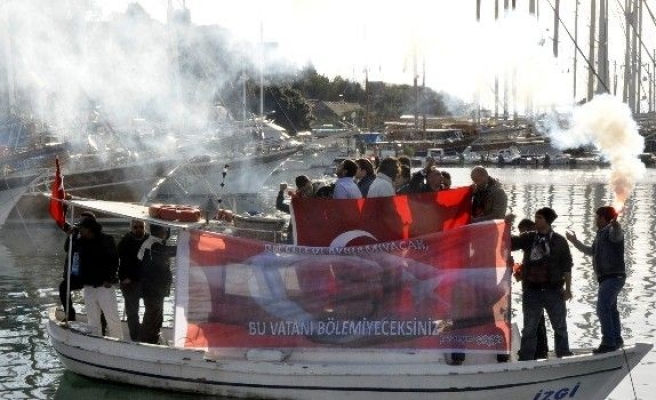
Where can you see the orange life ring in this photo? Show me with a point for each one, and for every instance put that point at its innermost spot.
(154, 210)
(179, 213)
(224, 215)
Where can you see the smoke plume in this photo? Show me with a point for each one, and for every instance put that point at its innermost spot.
(607, 124)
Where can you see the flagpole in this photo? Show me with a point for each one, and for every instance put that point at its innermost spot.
(69, 268)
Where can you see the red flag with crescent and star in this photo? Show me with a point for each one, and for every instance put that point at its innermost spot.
(57, 196)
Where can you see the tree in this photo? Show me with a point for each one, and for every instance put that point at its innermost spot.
(291, 111)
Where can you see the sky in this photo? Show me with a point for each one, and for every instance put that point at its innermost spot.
(436, 39)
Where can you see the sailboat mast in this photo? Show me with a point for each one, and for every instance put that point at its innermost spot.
(496, 73)
(591, 49)
(416, 87)
(576, 39)
(602, 51)
(366, 95)
(423, 97)
(262, 69)
(556, 25)
(478, 90)
(639, 57)
(627, 50)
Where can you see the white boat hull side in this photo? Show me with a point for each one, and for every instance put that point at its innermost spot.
(581, 377)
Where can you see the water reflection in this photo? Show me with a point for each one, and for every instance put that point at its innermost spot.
(76, 387)
(31, 265)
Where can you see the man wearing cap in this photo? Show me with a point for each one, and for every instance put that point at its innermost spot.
(607, 253)
(546, 283)
(98, 272)
(75, 283)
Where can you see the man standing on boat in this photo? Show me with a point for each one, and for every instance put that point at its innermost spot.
(98, 271)
(129, 273)
(489, 200)
(75, 281)
(546, 283)
(383, 185)
(345, 187)
(542, 348)
(156, 280)
(607, 253)
(365, 175)
(304, 189)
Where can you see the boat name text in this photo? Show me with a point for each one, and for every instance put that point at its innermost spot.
(558, 394)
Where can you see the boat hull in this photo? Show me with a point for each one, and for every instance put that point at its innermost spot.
(133, 182)
(194, 181)
(356, 374)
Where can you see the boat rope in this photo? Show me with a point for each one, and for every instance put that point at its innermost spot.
(630, 21)
(592, 68)
(219, 200)
(628, 367)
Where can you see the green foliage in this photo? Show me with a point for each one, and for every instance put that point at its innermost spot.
(291, 111)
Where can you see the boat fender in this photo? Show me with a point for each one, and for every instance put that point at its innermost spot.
(179, 213)
(154, 210)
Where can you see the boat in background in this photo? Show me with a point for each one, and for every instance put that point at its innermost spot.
(129, 167)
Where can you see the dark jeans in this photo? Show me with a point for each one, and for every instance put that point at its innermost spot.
(63, 295)
(542, 347)
(534, 301)
(131, 295)
(609, 317)
(152, 319)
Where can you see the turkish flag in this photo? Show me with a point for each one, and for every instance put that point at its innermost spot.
(354, 222)
(56, 207)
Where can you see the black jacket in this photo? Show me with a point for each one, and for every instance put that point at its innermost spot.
(156, 277)
(129, 265)
(558, 262)
(98, 260)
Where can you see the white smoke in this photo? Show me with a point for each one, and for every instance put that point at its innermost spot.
(607, 124)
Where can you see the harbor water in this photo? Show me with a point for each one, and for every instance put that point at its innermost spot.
(31, 260)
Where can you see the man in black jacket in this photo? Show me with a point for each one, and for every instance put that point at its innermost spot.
(66, 287)
(98, 268)
(129, 273)
(546, 283)
(156, 280)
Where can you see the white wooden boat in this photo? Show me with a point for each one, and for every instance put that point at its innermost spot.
(237, 362)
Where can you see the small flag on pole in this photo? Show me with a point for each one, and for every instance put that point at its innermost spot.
(56, 198)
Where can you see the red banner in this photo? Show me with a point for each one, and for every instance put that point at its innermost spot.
(321, 222)
(448, 290)
(56, 206)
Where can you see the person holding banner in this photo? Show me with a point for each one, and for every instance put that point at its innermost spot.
(345, 186)
(383, 185)
(489, 200)
(607, 251)
(546, 283)
(542, 348)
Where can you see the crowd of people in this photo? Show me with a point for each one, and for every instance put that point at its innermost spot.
(546, 266)
(140, 262)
